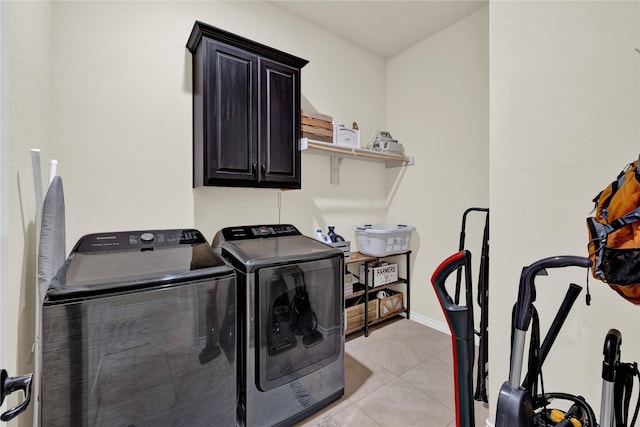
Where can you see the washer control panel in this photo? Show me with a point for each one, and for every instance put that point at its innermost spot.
(142, 240)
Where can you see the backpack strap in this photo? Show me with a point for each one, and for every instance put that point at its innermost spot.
(615, 185)
(618, 223)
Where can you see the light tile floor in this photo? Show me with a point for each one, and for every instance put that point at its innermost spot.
(400, 375)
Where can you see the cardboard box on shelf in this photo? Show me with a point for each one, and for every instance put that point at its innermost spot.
(343, 135)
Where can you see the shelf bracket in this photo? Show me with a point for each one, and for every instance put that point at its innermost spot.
(336, 161)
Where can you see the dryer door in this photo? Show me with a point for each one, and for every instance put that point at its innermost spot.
(300, 322)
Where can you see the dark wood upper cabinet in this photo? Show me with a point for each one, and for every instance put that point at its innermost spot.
(246, 111)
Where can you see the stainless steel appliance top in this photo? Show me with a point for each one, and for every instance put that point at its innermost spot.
(255, 246)
(128, 260)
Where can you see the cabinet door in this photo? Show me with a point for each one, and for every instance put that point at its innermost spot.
(231, 118)
(279, 125)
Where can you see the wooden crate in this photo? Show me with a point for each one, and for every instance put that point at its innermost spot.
(354, 316)
(317, 116)
(316, 126)
(393, 304)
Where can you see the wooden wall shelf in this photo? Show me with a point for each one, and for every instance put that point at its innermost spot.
(339, 152)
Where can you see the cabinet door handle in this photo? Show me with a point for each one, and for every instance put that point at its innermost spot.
(254, 169)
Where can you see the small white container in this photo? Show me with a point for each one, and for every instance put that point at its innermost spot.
(383, 239)
(342, 135)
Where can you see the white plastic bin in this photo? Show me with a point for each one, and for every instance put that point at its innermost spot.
(383, 239)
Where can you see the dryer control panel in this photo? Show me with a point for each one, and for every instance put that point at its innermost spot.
(247, 232)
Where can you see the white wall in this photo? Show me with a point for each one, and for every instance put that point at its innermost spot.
(105, 88)
(124, 108)
(564, 87)
(4, 186)
(29, 119)
(438, 107)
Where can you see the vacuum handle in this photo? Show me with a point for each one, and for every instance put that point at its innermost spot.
(10, 384)
(610, 363)
(460, 318)
(527, 290)
(439, 277)
(462, 238)
(611, 352)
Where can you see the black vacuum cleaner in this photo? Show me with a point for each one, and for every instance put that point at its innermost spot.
(482, 370)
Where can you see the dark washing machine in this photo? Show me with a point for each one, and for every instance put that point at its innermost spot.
(290, 323)
(139, 329)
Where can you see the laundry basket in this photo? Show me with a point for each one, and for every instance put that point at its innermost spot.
(383, 239)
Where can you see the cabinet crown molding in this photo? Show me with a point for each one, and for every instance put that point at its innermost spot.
(200, 29)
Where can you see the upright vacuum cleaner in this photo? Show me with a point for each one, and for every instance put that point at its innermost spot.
(460, 320)
(483, 302)
(520, 404)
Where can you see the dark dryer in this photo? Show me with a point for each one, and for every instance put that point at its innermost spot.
(291, 328)
(139, 329)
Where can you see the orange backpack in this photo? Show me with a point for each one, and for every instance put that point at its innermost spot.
(614, 234)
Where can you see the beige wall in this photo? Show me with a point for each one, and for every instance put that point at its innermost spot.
(438, 106)
(564, 121)
(4, 181)
(29, 120)
(105, 88)
(124, 108)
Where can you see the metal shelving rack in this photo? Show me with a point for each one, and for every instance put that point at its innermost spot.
(357, 257)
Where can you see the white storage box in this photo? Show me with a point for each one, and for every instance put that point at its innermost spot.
(345, 136)
(383, 239)
(343, 246)
(348, 284)
(380, 274)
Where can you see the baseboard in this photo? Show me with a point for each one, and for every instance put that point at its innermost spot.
(431, 323)
(437, 325)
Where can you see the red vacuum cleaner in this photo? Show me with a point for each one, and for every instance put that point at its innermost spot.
(460, 320)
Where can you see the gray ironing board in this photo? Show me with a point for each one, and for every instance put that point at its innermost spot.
(52, 247)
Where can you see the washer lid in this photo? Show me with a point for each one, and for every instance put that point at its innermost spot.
(124, 261)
